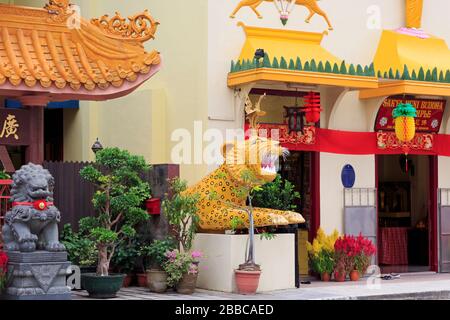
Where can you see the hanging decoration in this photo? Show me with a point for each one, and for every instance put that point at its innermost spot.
(312, 107)
(285, 8)
(405, 126)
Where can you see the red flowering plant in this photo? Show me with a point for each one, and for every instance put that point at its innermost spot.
(3, 270)
(365, 250)
(353, 253)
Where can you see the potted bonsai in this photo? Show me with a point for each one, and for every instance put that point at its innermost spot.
(181, 212)
(118, 203)
(157, 253)
(321, 254)
(124, 259)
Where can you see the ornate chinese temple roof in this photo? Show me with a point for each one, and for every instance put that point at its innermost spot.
(54, 51)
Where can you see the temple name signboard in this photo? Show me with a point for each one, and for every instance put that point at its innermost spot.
(14, 127)
(429, 114)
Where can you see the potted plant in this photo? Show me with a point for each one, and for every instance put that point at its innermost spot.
(119, 195)
(157, 253)
(182, 270)
(181, 212)
(81, 250)
(3, 271)
(124, 260)
(345, 251)
(364, 252)
(321, 254)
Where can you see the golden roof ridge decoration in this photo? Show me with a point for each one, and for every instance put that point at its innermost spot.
(60, 10)
(39, 47)
(141, 27)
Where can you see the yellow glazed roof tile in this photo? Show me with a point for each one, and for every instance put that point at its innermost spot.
(53, 47)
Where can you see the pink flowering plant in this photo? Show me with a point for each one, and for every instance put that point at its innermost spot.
(180, 263)
(3, 270)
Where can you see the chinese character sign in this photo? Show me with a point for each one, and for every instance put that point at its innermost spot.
(14, 127)
(429, 114)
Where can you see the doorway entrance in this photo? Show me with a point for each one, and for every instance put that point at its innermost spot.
(407, 202)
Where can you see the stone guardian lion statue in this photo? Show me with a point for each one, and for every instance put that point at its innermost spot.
(32, 223)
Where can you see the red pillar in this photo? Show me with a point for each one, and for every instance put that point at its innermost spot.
(35, 105)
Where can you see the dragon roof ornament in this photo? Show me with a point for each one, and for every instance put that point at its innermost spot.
(141, 27)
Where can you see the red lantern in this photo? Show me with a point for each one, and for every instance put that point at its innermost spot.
(312, 107)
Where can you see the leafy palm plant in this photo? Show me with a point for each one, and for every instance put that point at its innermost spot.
(117, 201)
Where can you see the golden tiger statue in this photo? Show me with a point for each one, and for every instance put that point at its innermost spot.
(220, 202)
(311, 5)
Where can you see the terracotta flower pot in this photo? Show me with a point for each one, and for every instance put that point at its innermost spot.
(127, 280)
(142, 280)
(354, 275)
(325, 277)
(187, 284)
(339, 277)
(247, 282)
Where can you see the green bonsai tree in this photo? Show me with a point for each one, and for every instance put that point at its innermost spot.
(117, 201)
(181, 212)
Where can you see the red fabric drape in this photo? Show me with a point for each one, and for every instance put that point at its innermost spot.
(363, 143)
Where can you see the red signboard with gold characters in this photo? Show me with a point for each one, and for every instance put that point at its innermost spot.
(429, 114)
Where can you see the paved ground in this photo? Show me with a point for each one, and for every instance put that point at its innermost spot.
(411, 286)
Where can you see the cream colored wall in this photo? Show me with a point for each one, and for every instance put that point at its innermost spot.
(331, 189)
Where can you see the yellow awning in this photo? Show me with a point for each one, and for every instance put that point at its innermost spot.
(396, 50)
(288, 44)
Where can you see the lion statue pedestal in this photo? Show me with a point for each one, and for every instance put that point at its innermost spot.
(38, 263)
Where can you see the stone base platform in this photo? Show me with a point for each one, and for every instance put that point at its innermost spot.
(224, 253)
(39, 275)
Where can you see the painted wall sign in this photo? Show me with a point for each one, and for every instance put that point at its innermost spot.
(14, 127)
(429, 114)
(348, 176)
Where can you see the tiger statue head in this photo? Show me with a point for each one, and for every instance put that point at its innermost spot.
(257, 155)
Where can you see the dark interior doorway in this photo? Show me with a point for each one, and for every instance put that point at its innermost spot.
(406, 202)
(53, 135)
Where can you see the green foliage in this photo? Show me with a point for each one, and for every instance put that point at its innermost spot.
(117, 201)
(267, 236)
(181, 212)
(323, 262)
(156, 252)
(343, 69)
(179, 264)
(126, 256)
(236, 223)
(279, 194)
(81, 250)
(4, 175)
(283, 63)
(298, 64)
